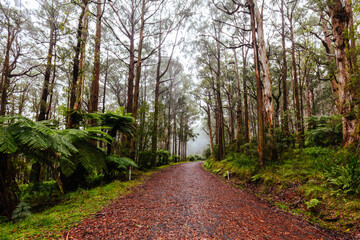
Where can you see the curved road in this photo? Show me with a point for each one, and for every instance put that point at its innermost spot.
(187, 202)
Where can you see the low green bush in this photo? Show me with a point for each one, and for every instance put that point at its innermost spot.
(324, 131)
(162, 157)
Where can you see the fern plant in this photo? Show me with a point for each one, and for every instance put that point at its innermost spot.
(118, 166)
(21, 211)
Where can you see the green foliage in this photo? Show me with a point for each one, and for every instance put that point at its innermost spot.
(120, 162)
(90, 157)
(144, 159)
(21, 211)
(175, 158)
(115, 121)
(195, 157)
(312, 203)
(324, 131)
(207, 153)
(7, 142)
(47, 193)
(282, 142)
(118, 166)
(191, 158)
(241, 165)
(346, 175)
(163, 157)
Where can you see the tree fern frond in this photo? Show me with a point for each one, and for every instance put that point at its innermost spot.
(121, 162)
(74, 135)
(96, 134)
(7, 142)
(67, 166)
(91, 157)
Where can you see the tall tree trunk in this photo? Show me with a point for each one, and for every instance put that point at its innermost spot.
(299, 127)
(169, 124)
(341, 19)
(9, 190)
(52, 87)
(130, 99)
(174, 134)
(239, 129)
(138, 63)
(94, 90)
(208, 112)
(46, 84)
(285, 117)
(266, 82)
(154, 138)
(308, 98)
(259, 98)
(80, 82)
(76, 67)
(231, 128)
(5, 78)
(220, 115)
(105, 80)
(246, 104)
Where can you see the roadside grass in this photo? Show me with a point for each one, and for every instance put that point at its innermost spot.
(74, 207)
(321, 184)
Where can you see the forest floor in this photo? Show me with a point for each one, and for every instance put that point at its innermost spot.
(187, 202)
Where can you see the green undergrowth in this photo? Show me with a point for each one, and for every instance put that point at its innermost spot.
(321, 184)
(73, 207)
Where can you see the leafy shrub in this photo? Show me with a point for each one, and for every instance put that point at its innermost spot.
(175, 158)
(144, 160)
(21, 211)
(118, 166)
(163, 157)
(47, 194)
(320, 159)
(345, 176)
(249, 149)
(341, 169)
(207, 153)
(199, 157)
(324, 131)
(312, 204)
(281, 141)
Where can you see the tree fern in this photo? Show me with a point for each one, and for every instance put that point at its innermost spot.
(115, 121)
(120, 162)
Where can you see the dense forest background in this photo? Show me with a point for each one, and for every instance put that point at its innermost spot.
(90, 89)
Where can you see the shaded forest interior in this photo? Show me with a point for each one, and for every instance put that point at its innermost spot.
(94, 90)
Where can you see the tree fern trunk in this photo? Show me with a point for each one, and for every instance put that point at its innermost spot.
(9, 190)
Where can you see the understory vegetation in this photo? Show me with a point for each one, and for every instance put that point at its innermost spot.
(320, 181)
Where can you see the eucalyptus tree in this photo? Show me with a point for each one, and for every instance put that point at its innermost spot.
(15, 24)
(51, 11)
(290, 14)
(128, 22)
(204, 98)
(337, 35)
(94, 90)
(78, 73)
(346, 57)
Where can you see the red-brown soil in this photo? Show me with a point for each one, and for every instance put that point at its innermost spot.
(187, 202)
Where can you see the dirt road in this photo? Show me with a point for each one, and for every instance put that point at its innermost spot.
(187, 202)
